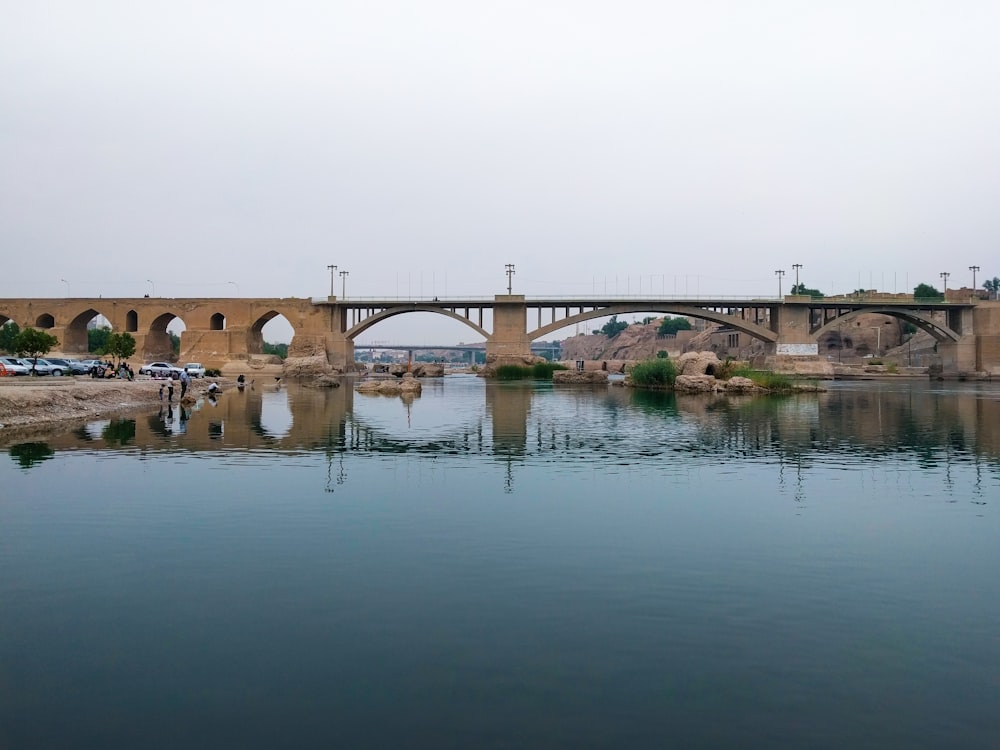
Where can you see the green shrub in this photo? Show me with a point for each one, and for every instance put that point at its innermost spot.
(764, 378)
(654, 372)
(544, 370)
(513, 372)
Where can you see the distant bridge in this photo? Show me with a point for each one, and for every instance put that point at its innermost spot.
(218, 330)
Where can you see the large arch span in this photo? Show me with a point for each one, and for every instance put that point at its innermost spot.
(752, 329)
(920, 318)
(371, 320)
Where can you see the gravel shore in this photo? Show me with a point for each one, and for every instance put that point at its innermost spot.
(27, 403)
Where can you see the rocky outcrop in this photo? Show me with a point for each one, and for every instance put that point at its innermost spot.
(307, 367)
(697, 384)
(323, 381)
(418, 369)
(699, 363)
(391, 386)
(574, 376)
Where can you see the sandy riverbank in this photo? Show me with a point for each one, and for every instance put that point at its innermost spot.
(29, 405)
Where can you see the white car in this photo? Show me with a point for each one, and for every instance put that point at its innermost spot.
(161, 369)
(195, 369)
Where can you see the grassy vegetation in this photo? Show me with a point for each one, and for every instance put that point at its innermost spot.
(764, 378)
(539, 371)
(654, 373)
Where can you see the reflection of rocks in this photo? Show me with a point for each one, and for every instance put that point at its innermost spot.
(574, 376)
(323, 381)
(391, 386)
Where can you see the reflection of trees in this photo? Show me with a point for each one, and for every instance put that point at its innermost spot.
(29, 454)
(119, 432)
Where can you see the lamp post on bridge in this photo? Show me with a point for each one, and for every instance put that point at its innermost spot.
(68, 293)
(235, 285)
(152, 287)
(796, 266)
(973, 269)
(510, 273)
(343, 281)
(944, 276)
(333, 275)
(779, 273)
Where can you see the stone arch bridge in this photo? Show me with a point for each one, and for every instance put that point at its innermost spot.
(220, 330)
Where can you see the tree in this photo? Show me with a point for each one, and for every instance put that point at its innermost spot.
(802, 289)
(8, 334)
(670, 326)
(926, 291)
(121, 346)
(97, 339)
(33, 344)
(613, 327)
(175, 343)
(990, 285)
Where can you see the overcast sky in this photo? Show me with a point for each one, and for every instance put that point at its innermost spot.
(204, 148)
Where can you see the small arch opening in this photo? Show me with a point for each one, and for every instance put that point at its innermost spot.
(217, 322)
(45, 321)
(131, 321)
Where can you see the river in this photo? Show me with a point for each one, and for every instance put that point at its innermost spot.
(500, 565)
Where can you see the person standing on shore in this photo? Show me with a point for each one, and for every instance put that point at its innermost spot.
(170, 391)
(185, 379)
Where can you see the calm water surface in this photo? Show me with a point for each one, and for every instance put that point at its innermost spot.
(498, 565)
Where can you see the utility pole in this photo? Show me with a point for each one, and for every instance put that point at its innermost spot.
(945, 275)
(343, 280)
(973, 269)
(779, 273)
(510, 273)
(333, 274)
(796, 266)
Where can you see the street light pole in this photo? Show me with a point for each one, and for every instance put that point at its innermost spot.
(333, 275)
(510, 273)
(235, 285)
(343, 281)
(779, 273)
(945, 275)
(796, 266)
(68, 292)
(973, 269)
(152, 286)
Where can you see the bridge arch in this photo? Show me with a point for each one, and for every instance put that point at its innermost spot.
(131, 321)
(752, 329)
(75, 336)
(362, 326)
(921, 319)
(45, 320)
(217, 322)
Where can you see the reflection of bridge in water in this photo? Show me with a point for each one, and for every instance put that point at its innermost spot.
(517, 423)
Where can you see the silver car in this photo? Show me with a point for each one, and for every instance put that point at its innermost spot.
(38, 366)
(13, 365)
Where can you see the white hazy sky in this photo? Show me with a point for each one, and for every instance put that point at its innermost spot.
(200, 148)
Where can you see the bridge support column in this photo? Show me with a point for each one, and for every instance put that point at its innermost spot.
(510, 330)
(986, 320)
(791, 323)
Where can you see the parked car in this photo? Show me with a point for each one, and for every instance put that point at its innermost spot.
(161, 369)
(65, 366)
(14, 365)
(195, 369)
(38, 366)
(77, 367)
